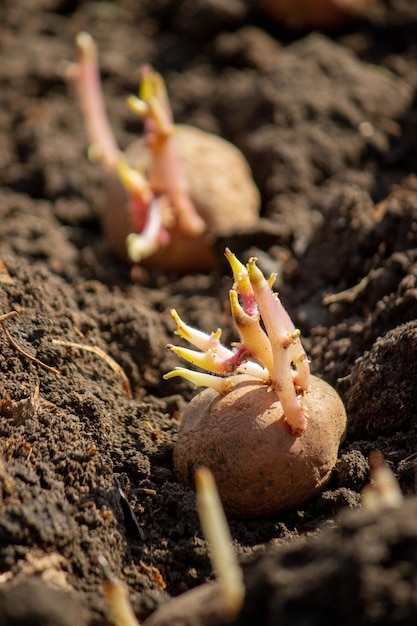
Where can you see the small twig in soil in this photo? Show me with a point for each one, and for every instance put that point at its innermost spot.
(117, 597)
(103, 355)
(350, 295)
(7, 316)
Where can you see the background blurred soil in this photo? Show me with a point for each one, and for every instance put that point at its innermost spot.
(328, 123)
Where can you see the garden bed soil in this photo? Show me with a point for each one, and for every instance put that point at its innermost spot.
(327, 121)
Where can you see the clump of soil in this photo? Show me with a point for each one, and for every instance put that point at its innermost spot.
(327, 124)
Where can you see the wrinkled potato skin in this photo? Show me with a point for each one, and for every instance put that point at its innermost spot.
(260, 467)
(221, 188)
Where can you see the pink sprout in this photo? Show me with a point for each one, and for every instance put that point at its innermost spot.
(164, 185)
(274, 355)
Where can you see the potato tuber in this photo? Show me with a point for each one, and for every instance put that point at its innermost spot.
(266, 428)
(172, 191)
(300, 14)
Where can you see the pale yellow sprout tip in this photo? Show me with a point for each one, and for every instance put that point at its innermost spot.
(217, 534)
(85, 43)
(271, 280)
(217, 334)
(237, 267)
(174, 315)
(117, 597)
(139, 247)
(200, 379)
(384, 490)
(151, 85)
(138, 106)
(131, 178)
(255, 274)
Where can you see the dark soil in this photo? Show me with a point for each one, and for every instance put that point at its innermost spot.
(328, 123)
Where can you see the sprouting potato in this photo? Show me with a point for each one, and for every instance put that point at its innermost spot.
(268, 430)
(172, 191)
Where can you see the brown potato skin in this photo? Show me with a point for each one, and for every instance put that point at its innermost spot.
(299, 14)
(220, 186)
(260, 467)
(204, 603)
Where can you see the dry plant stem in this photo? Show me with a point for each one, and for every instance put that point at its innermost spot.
(350, 295)
(103, 355)
(7, 316)
(117, 597)
(216, 532)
